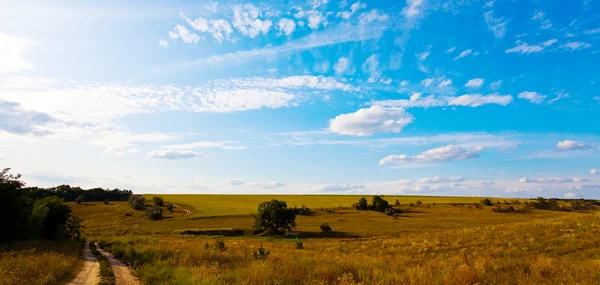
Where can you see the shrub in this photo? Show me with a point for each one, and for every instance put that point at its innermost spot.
(73, 227)
(487, 202)
(78, 200)
(478, 205)
(393, 211)
(49, 218)
(137, 202)
(154, 213)
(262, 253)
(411, 204)
(158, 201)
(206, 245)
(299, 244)
(363, 204)
(220, 245)
(170, 207)
(379, 204)
(302, 211)
(325, 227)
(545, 204)
(419, 203)
(397, 203)
(275, 217)
(105, 202)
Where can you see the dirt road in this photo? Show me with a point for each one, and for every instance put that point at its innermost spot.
(89, 274)
(123, 275)
(187, 212)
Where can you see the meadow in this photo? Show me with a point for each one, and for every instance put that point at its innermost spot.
(438, 242)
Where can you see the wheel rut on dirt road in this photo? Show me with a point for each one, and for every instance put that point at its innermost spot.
(123, 275)
(91, 268)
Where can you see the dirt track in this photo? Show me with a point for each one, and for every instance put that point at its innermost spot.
(89, 274)
(123, 275)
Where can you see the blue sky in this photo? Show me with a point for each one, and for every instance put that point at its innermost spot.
(485, 98)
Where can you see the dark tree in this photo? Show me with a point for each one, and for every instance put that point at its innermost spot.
(379, 204)
(49, 217)
(137, 202)
(158, 201)
(363, 204)
(275, 217)
(154, 213)
(15, 207)
(170, 207)
(487, 202)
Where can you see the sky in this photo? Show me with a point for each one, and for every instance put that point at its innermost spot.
(417, 97)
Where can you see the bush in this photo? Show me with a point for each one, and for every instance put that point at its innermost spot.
(325, 227)
(105, 202)
(302, 211)
(158, 201)
(478, 205)
(154, 213)
(419, 203)
(299, 244)
(363, 204)
(393, 212)
(78, 200)
(137, 202)
(379, 204)
(262, 253)
(545, 204)
(49, 218)
(220, 245)
(411, 204)
(275, 217)
(170, 207)
(397, 203)
(487, 202)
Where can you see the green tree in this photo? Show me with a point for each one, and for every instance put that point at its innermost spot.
(275, 217)
(49, 217)
(154, 213)
(363, 204)
(15, 207)
(158, 201)
(379, 204)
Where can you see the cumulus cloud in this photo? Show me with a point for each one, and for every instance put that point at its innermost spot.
(525, 48)
(12, 49)
(18, 120)
(220, 29)
(353, 9)
(594, 171)
(467, 100)
(496, 25)
(568, 145)
(335, 188)
(342, 66)
(372, 120)
(464, 53)
(315, 19)
(181, 32)
(540, 17)
(573, 46)
(533, 97)
(475, 83)
(287, 26)
(247, 19)
(173, 154)
(440, 154)
(163, 43)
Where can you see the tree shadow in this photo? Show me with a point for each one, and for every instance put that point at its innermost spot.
(332, 234)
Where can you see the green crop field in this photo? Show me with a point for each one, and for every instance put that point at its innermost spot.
(219, 205)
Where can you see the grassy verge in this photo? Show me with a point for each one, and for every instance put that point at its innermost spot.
(107, 276)
(40, 262)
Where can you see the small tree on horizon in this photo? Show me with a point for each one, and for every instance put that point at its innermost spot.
(363, 204)
(274, 217)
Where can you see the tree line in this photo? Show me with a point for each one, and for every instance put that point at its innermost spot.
(73, 194)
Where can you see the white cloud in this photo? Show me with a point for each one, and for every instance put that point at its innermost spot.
(371, 66)
(495, 85)
(553, 180)
(347, 14)
(592, 31)
(571, 195)
(173, 154)
(559, 95)
(533, 97)
(247, 19)
(181, 32)
(470, 100)
(413, 9)
(342, 66)
(316, 19)
(423, 55)
(541, 18)
(335, 188)
(573, 46)
(235, 182)
(594, 171)
(220, 29)
(525, 48)
(287, 26)
(497, 25)
(475, 83)
(229, 145)
(12, 49)
(317, 3)
(464, 54)
(18, 120)
(568, 145)
(450, 50)
(440, 154)
(163, 43)
(445, 82)
(262, 185)
(366, 122)
(121, 142)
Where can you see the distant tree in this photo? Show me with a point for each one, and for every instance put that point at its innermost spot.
(419, 202)
(379, 204)
(363, 204)
(137, 202)
(158, 201)
(487, 202)
(325, 227)
(78, 200)
(105, 202)
(15, 207)
(397, 203)
(154, 213)
(274, 217)
(74, 227)
(170, 207)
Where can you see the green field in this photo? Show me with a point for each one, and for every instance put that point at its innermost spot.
(220, 205)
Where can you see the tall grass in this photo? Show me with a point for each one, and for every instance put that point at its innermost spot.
(41, 262)
(560, 250)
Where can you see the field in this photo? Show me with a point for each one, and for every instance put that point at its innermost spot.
(427, 244)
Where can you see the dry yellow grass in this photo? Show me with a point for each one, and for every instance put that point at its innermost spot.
(41, 262)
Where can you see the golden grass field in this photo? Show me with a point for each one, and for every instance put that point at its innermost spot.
(441, 244)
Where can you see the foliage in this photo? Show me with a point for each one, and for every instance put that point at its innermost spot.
(419, 202)
(106, 202)
(154, 213)
(508, 209)
(49, 218)
(15, 207)
(78, 200)
(70, 194)
(298, 243)
(325, 227)
(411, 204)
(220, 245)
(397, 203)
(393, 211)
(261, 254)
(170, 207)
(137, 202)
(363, 204)
(274, 217)
(107, 276)
(158, 201)
(487, 202)
(379, 204)
(302, 211)
(74, 227)
(545, 204)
